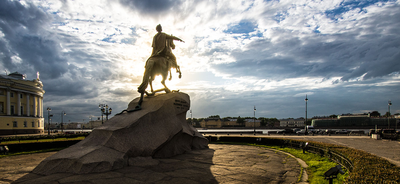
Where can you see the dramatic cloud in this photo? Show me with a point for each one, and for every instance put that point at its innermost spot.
(237, 54)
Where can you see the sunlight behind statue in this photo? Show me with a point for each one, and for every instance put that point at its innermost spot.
(159, 63)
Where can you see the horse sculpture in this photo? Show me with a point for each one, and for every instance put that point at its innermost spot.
(159, 64)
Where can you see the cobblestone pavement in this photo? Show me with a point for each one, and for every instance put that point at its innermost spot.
(219, 164)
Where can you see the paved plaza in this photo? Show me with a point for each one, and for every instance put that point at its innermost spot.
(219, 164)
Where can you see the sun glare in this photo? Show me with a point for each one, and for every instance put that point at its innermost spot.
(171, 84)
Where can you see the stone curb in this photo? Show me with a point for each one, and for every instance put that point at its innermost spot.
(303, 164)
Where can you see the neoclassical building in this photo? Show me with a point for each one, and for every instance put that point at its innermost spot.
(21, 105)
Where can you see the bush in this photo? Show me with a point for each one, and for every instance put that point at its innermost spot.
(20, 138)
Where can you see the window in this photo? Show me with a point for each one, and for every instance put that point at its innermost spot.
(12, 110)
(38, 124)
(12, 95)
(25, 124)
(15, 124)
(22, 110)
(21, 96)
(1, 107)
(33, 124)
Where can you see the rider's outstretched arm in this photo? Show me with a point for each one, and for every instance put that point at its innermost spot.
(174, 38)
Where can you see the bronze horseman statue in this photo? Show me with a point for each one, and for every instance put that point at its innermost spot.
(159, 63)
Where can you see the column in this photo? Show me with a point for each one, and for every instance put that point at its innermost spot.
(28, 108)
(41, 106)
(34, 106)
(19, 104)
(38, 106)
(8, 103)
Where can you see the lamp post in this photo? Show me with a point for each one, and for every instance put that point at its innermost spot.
(91, 122)
(62, 120)
(254, 121)
(191, 117)
(305, 123)
(389, 104)
(48, 120)
(104, 110)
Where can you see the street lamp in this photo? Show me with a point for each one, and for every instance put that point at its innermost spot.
(254, 122)
(91, 122)
(104, 110)
(62, 120)
(389, 104)
(48, 120)
(305, 123)
(191, 117)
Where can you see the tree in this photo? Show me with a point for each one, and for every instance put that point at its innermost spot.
(375, 114)
(214, 116)
(333, 116)
(240, 120)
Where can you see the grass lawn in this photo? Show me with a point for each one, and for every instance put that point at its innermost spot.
(31, 152)
(41, 140)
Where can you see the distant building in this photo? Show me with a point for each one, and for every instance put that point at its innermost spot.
(73, 125)
(94, 124)
(291, 122)
(231, 123)
(219, 123)
(355, 120)
(21, 105)
(211, 123)
(252, 123)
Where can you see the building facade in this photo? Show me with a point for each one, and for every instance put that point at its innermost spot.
(219, 123)
(211, 123)
(291, 122)
(21, 105)
(356, 121)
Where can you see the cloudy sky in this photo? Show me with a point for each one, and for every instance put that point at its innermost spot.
(344, 54)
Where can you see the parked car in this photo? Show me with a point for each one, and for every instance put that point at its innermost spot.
(327, 132)
(389, 134)
(343, 131)
(357, 132)
(302, 131)
(318, 131)
(310, 129)
(372, 131)
(296, 130)
(286, 131)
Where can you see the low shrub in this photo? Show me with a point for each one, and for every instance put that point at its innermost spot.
(37, 137)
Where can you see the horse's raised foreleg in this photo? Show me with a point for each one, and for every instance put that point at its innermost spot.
(178, 70)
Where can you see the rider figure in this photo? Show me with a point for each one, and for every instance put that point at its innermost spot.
(162, 44)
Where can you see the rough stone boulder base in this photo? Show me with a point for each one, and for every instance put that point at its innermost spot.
(158, 130)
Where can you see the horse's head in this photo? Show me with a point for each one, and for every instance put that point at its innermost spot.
(170, 44)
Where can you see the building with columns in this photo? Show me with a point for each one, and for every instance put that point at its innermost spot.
(21, 105)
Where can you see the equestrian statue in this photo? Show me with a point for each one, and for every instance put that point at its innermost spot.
(159, 63)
